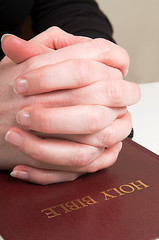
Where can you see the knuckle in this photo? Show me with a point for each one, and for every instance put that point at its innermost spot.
(96, 165)
(95, 119)
(116, 91)
(101, 91)
(103, 45)
(35, 152)
(81, 71)
(106, 138)
(110, 135)
(81, 158)
(53, 29)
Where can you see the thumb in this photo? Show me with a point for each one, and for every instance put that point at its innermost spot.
(19, 50)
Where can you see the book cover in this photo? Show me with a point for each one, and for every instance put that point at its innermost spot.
(118, 203)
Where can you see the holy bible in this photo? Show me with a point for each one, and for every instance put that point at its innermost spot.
(118, 203)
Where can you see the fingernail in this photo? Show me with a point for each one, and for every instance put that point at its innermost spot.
(20, 174)
(13, 138)
(126, 72)
(5, 35)
(21, 86)
(120, 146)
(23, 118)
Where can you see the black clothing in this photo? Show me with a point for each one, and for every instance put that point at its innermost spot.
(80, 17)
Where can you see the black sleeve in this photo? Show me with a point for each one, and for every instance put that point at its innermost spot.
(80, 17)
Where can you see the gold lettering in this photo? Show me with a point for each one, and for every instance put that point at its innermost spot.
(116, 190)
(127, 186)
(51, 212)
(83, 205)
(108, 196)
(72, 205)
(140, 185)
(89, 200)
(63, 207)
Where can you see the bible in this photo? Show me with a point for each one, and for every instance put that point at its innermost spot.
(117, 203)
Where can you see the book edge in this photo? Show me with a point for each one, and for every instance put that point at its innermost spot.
(144, 150)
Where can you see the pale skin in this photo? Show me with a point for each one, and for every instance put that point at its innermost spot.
(76, 130)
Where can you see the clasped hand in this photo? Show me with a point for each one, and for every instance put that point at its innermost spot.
(69, 102)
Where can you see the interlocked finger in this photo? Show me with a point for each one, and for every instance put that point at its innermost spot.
(41, 176)
(85, 119)
(45, 177)
(100, 50)
(116, 132)
(54, 153)
(65, 75)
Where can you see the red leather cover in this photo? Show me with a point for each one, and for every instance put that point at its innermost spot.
(119, 203)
